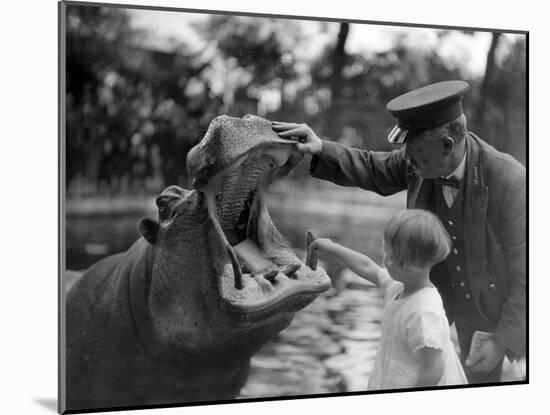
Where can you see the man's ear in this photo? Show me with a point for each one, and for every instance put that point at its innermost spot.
(149, 229)
(448, 145)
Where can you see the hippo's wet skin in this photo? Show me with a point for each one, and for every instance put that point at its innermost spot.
(177, 317)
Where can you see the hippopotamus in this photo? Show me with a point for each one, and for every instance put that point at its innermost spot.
(177, 317)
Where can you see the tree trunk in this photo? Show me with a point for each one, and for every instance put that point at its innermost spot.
(479, 117)
(336, 82)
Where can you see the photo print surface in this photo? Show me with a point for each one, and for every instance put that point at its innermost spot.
(258, 206)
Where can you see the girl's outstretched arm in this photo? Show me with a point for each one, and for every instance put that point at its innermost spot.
(361, 264)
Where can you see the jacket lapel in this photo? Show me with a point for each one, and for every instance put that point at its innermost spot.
(475, 214)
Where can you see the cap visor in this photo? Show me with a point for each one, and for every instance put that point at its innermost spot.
(397, 135)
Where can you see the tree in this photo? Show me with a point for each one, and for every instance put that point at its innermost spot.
(479, 116)
(257, 54)
(505, 118)
(128, 103)
(338, 61)
(93, 36)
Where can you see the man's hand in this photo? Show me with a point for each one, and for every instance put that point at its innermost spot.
(308, 142)
(486, 357)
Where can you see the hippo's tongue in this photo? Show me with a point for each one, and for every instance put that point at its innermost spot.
(251, 256)
(255, 260)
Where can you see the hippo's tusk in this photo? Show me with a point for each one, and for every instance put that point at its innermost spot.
(236, 267)
(311, 258)
(211, 205)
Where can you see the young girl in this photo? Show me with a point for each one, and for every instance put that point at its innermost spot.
(415, 344)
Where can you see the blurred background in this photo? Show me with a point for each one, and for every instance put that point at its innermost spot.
(143, 86)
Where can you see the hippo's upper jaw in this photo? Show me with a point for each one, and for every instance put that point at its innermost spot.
(232, 166)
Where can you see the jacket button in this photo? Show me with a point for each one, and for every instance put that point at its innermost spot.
(458, 268)
(455, 251)
(467, 296)
(454, 237)
(492, 286)
(450, 222)
(461, 283)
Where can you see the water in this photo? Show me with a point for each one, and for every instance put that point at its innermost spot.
(331, 344)
(90, 238)
(329, 347)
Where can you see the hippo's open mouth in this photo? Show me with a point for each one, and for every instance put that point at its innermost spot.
(262, 273)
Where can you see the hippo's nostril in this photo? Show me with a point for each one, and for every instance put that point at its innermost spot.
(163, 201)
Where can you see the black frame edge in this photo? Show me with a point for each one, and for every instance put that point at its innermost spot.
(61, 347)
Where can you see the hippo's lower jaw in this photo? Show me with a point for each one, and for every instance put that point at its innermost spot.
(262, 276)
(273, 277)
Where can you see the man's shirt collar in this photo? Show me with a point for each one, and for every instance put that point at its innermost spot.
(458, 173)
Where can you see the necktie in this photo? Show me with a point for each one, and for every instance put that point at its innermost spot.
(451, 181)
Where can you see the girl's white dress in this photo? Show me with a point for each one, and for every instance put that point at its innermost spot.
(409, 324)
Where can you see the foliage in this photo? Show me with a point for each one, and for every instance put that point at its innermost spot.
(134, 111)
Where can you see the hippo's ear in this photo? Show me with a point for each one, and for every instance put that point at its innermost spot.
(149, 229)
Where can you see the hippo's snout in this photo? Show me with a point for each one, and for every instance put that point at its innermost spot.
(226, 141)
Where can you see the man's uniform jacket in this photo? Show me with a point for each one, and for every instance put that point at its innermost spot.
(494, 223)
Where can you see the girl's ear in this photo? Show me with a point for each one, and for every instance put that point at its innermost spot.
(149, 229)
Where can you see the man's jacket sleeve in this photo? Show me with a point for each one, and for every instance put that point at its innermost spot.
(511, 330)
(382, 172)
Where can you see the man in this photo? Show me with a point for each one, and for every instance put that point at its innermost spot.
(476, 191)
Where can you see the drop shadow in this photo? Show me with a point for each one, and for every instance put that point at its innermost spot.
(48, 403)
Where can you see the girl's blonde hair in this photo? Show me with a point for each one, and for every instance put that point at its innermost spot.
(416, 237)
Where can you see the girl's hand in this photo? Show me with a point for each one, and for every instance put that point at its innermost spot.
(361, 264)
(324, 244)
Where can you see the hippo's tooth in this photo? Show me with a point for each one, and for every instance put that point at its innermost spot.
(270, 276)
(255, 260)
(237, 274)
(290, 269)
(236, 267)
(311, 258)
(263, 283)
